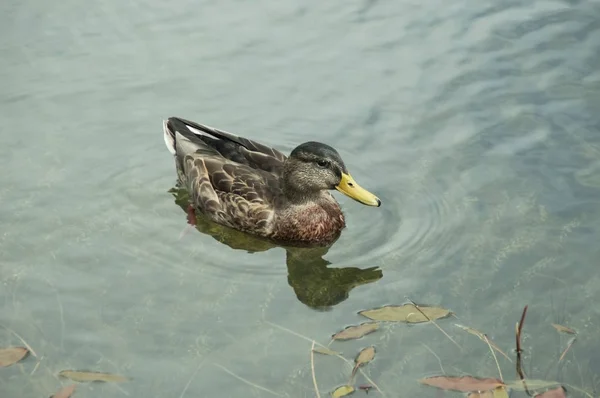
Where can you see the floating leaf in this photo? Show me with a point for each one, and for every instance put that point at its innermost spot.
(12, 355)
(356, 332)
(558, 392)
(92, 376)
(325, 351)
(343, 391)
(365, 356)
(405, 313)
(563, 329)
(65, 392)
(484, 338)
(463, 383)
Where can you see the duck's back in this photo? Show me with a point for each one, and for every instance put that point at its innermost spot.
(232, 180)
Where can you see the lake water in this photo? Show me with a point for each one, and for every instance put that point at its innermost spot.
(476, 123)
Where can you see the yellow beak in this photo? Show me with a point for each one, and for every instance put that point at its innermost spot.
(350, 188)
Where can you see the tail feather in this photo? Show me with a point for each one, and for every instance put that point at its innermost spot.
(181, 140)
(169, 137)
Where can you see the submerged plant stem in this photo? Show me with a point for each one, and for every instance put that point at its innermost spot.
(240, 378)
(312, 368)
(436, 325)
(337, 355)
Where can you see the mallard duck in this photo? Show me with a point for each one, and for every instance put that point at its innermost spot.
(250, 187)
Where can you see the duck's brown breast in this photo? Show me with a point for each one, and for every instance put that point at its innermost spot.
(316, 223)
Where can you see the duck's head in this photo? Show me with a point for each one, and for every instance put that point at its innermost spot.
(313, 167)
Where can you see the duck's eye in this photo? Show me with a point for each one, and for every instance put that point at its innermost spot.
(323, 163)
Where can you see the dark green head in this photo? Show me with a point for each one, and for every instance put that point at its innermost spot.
(313, 167)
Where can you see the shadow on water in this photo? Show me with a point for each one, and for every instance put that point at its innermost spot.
(315, 284)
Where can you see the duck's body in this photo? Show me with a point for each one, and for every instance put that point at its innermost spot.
(245, 185)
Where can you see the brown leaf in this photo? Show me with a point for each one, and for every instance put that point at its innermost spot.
(558, 392)
(83, 376)
(356, 332)
(405, 313)
(343, 391)
(65, 392)
(463, 383)
(12, 355)
(563, 329)
(365, 356)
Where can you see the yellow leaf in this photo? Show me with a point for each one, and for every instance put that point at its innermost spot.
(343, 391)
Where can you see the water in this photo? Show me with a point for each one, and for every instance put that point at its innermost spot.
(476, 124)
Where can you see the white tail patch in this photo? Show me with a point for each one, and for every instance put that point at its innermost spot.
(200, 133)
(169, 139)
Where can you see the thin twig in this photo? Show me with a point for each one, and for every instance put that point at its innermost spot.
(247, 381)
(312, 368)
(22, 340)
(435, 355)
(337, 355)
(519, 329)
(436, 325)
(494, 355)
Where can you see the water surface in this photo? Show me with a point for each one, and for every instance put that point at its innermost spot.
(474, 122)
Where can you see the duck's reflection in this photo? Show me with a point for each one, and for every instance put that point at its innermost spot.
(315, 284)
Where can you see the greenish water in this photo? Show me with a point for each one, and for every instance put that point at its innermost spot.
(476, 124)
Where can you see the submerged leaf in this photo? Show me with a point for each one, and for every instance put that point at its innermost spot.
(499, 392)
(558, 392)
(343, 391)
(65, 392)
(12, 355)
(484, 394)
(325, 351)
(356, 332)
(531, 384)
(83, 376)
(405, 313)
(563, 329)
(462, 383)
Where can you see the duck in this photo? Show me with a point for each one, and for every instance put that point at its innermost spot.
(248, 186)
